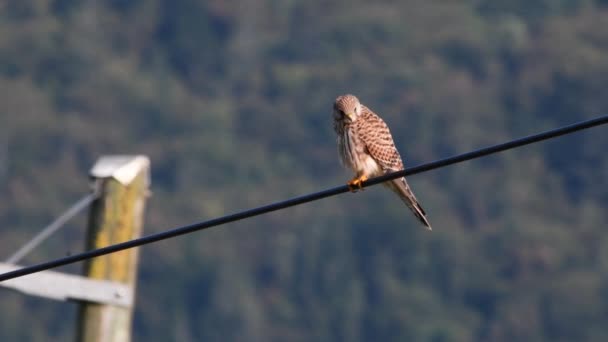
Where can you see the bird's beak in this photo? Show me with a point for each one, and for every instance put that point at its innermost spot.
(350, 115)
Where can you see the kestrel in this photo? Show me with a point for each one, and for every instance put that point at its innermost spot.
(366, 146)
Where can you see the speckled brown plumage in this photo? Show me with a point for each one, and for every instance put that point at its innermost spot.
(365, 145)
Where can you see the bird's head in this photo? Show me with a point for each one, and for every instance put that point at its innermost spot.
(347, 107)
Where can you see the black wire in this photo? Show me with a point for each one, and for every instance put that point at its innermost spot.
(302, 199)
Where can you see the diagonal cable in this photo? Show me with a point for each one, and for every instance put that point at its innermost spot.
(303, 199)
(54, 226)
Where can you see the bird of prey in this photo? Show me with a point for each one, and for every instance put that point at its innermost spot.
(366, 145)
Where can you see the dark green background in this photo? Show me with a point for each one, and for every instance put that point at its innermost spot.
(232, 102)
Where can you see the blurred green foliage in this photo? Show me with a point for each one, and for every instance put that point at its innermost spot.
(232, 101)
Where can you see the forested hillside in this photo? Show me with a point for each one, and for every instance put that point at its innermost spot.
(232, 101)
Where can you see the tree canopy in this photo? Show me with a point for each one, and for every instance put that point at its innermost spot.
(232, 100)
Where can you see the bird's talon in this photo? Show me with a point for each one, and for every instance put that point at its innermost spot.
(356, 184)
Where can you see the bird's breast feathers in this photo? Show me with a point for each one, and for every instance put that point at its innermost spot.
(369, 167)
(360, 159)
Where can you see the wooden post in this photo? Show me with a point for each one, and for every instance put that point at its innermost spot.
(115, 217)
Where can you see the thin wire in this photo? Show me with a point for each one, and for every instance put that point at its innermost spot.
(300, 200)
(52, 227)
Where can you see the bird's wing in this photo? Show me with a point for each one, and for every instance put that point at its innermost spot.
(379, 141)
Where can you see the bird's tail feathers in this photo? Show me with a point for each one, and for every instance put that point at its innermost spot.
(402, 189)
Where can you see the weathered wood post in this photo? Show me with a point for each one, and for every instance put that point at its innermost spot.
(115, 217)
